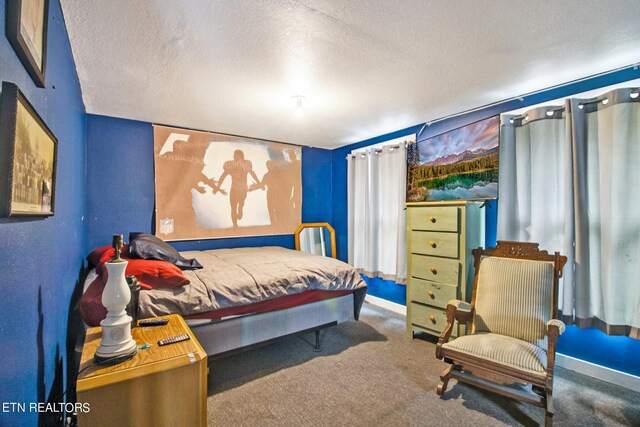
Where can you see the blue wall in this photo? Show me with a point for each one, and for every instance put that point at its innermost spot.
(120, 186)
(40, 259)
(586, 344)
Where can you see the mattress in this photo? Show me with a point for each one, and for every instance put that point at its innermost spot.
(243, 281)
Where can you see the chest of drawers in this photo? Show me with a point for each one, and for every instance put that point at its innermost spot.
(440, 237)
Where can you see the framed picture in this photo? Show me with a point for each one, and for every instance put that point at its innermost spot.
(26, 29)
(28, 152)
(461, 164)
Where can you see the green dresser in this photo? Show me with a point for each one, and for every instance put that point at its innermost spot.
(440, 237)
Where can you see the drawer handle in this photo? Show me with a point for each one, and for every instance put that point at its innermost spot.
(432, 219)
(432, 244)
(433, 270)
(432, 318)
(430, 294)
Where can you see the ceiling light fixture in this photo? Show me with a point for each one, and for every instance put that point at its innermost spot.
(299, 110)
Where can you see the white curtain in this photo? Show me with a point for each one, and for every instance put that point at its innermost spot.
(535, 184)
(377, 216)
(607, 164)
(570, 180)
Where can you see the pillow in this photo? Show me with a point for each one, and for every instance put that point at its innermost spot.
(105, 253)
(151, 274)
(90, 304)
(146, 246)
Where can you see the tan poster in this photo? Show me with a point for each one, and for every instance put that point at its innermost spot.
(210, 185)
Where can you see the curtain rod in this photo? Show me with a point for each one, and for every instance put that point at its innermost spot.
(605, 100)
(525, 116)
(581, 105)
(522, 97)
(376, 151)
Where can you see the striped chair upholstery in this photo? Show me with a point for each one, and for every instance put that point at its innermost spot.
(503, 349)
(512, 307)
(513, 298)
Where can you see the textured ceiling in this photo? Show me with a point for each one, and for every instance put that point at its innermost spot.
(366, 67)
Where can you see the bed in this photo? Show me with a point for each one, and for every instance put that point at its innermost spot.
(246, 296)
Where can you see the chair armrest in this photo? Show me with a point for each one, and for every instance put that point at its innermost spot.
(460, 305)
(456, 310)
(463, 311)
(555, 328)
(557, 323)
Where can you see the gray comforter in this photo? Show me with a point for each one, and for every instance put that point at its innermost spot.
(239, 276)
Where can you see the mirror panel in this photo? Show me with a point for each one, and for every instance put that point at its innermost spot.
(316, 238)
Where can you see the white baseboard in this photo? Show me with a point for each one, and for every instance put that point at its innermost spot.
(387, 305)
(603, 373)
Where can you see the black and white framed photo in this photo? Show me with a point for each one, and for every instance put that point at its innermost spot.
(26, 29)
(28, 152)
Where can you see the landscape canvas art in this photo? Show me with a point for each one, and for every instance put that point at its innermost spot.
(458, 165)
(211, 185)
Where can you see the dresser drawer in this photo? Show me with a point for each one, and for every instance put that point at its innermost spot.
(427, 317)
(435, 269)
(434, 243)
(443, 218)
(432, 293)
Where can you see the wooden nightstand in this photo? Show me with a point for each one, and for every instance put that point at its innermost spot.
(159, 386)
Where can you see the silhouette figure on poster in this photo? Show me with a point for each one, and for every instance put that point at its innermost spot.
(188, 158)
(283, 195)
(276, 197)
(294, 177)
(238, 169)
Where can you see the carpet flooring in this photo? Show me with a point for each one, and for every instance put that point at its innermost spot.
(370, 373)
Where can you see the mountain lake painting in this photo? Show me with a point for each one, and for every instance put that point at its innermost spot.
(458, 165)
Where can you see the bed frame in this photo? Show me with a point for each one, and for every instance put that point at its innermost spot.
(233, 334)
(237, 333)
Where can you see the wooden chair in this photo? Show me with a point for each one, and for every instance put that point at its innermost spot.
(512, 325)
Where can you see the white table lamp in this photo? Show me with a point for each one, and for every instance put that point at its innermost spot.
(116, 345)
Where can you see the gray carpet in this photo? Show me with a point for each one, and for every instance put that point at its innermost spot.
(371, 373)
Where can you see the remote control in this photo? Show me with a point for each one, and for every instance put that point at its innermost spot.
(153, 322)
(173, 340)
